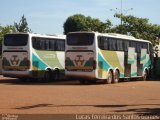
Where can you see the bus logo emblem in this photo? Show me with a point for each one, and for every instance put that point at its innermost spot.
(79, 60)
(14, 60)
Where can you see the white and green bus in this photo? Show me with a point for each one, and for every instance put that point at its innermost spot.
(108, 57)
(26, 55)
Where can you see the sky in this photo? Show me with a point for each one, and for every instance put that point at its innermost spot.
(48, 16)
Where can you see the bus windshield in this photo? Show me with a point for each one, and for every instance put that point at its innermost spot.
(15, 39)
(80, 39)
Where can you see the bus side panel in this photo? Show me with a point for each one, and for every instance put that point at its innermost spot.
(147, 64)
(136, 62)
(41, 60)
(110, 59)
(143, 61)
(132, 60)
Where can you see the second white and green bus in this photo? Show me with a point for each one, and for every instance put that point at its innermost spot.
(109, 57)
(26, 55)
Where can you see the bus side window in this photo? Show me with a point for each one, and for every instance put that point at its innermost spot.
(112, 44)
(100, 42)
(150, 51)
(138, 47)
(120, 45)
(145, 46)
(132, 44)
(46, 44)
(52, 45)
(126, 45)
(34, 43)
(103, 43)
(42, 44)
(60, 45)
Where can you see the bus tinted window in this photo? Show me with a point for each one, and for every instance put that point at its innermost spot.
(48, 44)
(15, 39)
(80, 39)
(145, 45)
(120, 45)
(138, 47)
(150, 51)
(52, 45)
(126, 45)
(103, 43)
(60, 45)
(112, 44)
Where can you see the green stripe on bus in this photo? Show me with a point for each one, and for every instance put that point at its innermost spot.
(39, 64)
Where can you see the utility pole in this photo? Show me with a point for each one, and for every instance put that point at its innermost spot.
(120, 11)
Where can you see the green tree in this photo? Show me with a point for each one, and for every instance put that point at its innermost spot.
(4, 30)
(80, 22)
(75, 23)
(22, 26)
(137, 27)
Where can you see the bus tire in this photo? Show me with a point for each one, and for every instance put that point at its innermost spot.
(82, 81)
(145, 74)
(116, 77)
(56, 74)
(92, 81)
(109, 78)
(47, 76)
(23, 79)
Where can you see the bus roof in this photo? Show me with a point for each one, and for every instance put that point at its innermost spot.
(41, 35)
(115, 35)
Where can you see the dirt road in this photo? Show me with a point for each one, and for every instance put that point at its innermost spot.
(69, 97)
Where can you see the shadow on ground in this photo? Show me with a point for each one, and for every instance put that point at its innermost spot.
(36, 82)
(15, 81)
(140, 110)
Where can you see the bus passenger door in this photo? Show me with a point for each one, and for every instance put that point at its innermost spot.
(131, 63)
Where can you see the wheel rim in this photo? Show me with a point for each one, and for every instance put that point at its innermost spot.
(116, 77)
(145, 75)
(110, 77)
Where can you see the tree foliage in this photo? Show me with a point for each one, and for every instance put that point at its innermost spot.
(138, 27)
(4, 30)
(22, 26)
(80, 22)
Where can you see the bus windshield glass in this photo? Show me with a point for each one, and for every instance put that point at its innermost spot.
(80, 39)
(15, 39)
